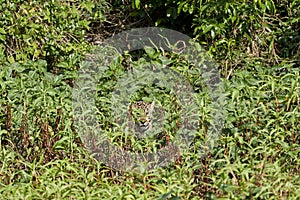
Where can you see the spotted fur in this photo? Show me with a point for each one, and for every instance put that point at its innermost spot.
(142, 114)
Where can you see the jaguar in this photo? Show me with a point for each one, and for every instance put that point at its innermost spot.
(142, 114)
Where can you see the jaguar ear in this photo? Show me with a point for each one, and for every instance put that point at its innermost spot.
(151, 107)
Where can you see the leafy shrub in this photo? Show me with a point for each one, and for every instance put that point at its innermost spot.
(232, 30)
(264, 29)
(155, 13)
(34, 103)
(50, 30)
(257, 154)
(41, 44)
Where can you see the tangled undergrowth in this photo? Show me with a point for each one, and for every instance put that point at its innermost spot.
(256, 46)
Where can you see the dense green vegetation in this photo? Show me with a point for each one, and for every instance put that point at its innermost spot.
(256, 45)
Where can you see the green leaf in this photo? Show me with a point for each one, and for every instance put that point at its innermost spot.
(136, 4)
(2, 31)
(165, 61)
(150, 52)
(207, 28)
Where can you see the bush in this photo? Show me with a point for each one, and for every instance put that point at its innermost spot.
(233, 30)
(50, 30)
